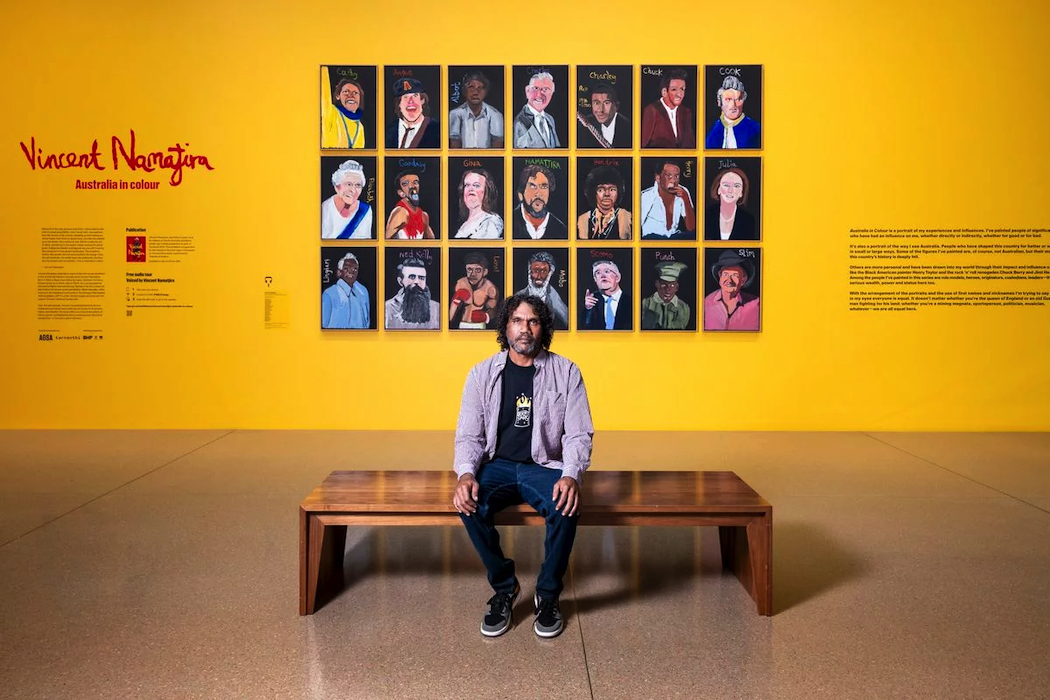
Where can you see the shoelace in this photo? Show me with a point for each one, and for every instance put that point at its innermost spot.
(548, 608)
(500, 601)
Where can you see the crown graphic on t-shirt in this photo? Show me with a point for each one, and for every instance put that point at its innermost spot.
(523, 402)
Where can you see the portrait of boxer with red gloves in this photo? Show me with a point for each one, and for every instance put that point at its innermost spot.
(474, 296)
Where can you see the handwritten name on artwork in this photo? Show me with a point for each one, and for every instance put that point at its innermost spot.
(176, 158)
(545, 162)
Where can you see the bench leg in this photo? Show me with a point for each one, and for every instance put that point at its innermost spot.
(304, 558)
(733, 543)
(748, 553)
(760, 544)
(320, 561)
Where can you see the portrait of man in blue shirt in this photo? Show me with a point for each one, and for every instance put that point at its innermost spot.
(345, 304)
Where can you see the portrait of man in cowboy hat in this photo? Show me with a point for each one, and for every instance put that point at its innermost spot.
(729, 307)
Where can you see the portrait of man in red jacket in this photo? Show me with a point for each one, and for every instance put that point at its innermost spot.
(669, 122)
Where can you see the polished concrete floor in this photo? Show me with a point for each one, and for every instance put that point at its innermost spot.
(157, 564)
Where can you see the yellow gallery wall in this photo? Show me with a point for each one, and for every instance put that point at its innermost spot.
(887, 114)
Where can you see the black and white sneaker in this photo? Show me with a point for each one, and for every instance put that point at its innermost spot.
(548, 617)
(498, 618)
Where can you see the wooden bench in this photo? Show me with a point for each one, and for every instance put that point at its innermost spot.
(371, 498)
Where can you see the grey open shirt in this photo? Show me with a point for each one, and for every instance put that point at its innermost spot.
(562, 431)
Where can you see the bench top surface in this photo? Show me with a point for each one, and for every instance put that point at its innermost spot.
(603, 491)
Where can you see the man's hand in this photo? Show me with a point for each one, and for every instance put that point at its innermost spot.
(461, 296)
(465, 497)
(589, 300)
(566, 495)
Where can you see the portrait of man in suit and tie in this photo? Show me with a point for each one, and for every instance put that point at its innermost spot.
(604, 295)
(534, 125)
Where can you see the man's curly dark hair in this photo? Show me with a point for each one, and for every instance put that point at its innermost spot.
(511, 304)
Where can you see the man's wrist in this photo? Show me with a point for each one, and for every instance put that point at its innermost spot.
(574, 473)
(463, 470)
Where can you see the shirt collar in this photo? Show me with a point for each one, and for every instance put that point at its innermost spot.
(535, 114)
(501, 359)
(674, 300)
(731, 122)
(481, 114)
(538, 230)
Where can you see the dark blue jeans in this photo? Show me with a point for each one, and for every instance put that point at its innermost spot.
(504, 483)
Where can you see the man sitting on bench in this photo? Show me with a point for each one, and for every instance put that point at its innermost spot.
(523, 436)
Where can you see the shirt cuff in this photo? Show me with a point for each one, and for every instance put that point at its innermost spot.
(462, 469)
(575, 472)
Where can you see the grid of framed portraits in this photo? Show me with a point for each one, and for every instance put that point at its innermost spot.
(444, 189)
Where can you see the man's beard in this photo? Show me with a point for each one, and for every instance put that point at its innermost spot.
(415, 308)
(537, 290)
(531, 211)
(413, 197)
(525, 347)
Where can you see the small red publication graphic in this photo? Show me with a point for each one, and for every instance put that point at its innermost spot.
(136, 249)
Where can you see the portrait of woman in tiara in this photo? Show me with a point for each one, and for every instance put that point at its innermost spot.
(346, 214)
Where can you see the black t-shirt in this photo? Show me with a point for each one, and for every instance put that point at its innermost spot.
(514, 441)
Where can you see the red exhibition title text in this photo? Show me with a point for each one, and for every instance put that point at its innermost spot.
(174, 159)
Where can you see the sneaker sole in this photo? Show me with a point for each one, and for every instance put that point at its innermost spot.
(548, 635)
(536, 627)
(497, 633)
